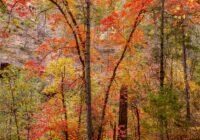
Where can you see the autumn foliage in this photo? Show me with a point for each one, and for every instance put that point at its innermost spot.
(99, 69)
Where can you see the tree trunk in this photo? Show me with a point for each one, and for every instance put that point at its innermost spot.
(123, 114)
(162, 72)
(64, 104)
(14, 110)
(161, 123)
(87, 73)
(138, 122)
(166, 131)
(10, 127)
(80, 115)
(28, 132)
(114, 131)
(28, 127)
(171, 73)
(186, 81)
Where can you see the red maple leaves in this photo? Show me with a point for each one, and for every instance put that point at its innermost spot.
(129, 11)
(49, 120)
(19, 7)
(34, 67)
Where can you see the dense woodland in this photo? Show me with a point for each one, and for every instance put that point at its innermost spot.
(99, 70)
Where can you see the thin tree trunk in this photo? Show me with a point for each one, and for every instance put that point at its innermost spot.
(14, 110)
(186, 81)
(138, 122)
(114, 131)
(28, 132)
(166, 131)
(162, 72)
(10, 127)
(161, 129)
(171, 73)
(123, 114)
(80, 115)
(64, 103)
(28, 124)
(16, 123)
(87, 73)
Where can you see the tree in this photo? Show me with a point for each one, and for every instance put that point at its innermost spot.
(162, 27)
(185, 67)
(56, 108)
(123, 113)
(20, 98)
(140, 9)
(87, 72)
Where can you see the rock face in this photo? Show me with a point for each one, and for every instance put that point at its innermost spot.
(23, 37)
(16, 50)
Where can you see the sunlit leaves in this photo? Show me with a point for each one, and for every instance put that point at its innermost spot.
(55, 70)
(63, 65)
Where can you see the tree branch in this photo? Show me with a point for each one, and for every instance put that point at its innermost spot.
(73, 31)
(137, 21)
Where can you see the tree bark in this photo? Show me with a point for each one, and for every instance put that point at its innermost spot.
(171, 73)
(162, 72)
(87, 73)
(114, 131)
(138, 122)
(64, 104)
(186, 80)
(123, 114)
